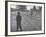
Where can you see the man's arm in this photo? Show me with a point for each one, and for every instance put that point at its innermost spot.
(21, 17)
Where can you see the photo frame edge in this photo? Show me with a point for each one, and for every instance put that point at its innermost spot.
(6, 18)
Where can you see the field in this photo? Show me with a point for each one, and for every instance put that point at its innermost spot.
(29, 23)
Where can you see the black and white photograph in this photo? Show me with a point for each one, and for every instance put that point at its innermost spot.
(25, 18)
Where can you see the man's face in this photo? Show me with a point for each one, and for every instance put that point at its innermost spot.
(18, 13)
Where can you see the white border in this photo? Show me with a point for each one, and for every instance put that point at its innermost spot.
(25, 32)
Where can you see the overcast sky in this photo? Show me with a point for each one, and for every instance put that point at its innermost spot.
(28, 7)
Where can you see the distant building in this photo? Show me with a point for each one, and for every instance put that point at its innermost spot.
(35, 11)
(20, 8)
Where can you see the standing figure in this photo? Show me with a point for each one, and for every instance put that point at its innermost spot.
(31, 13)
(18, 19)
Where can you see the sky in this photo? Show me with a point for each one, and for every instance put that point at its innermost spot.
(28, 6)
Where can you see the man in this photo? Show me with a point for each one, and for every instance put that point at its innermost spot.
(18, 19)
